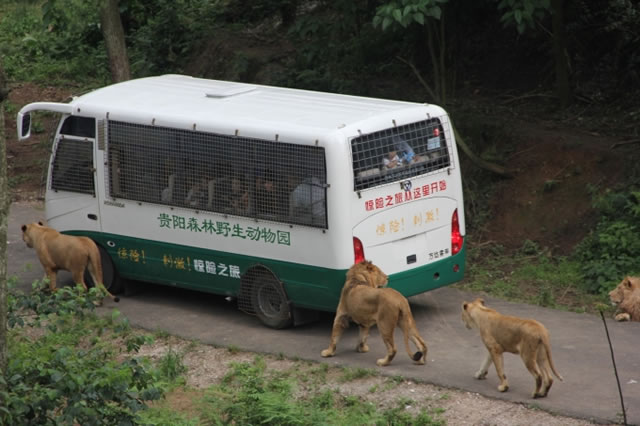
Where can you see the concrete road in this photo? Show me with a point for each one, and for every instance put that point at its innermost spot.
(579, 344)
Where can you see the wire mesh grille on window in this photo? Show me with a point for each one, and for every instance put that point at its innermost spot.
(73, 166)
(255, 178)
(400, 152)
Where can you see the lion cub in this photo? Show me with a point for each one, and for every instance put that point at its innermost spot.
(363, 301)
(57, 251)
(502, 333)
(626, 296)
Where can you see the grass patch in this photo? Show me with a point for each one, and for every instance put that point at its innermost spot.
(532, 275)
(354, 373)
(250, 393)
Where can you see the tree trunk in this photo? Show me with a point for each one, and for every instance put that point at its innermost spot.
(478, 161)
(4, 217)
(563, 89)
(113, 34)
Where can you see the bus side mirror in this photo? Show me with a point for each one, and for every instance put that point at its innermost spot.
(24, 125)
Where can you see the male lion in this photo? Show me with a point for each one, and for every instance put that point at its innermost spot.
(366, 304)
(503, 333)
(626, 296)
(57, 251)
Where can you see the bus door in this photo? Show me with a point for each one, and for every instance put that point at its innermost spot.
(71, 198)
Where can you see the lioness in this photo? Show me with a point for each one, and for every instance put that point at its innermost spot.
(626, 296)
(502, 333)
(57, 251)
(366, 304)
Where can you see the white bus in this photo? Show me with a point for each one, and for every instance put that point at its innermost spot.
(264, 194)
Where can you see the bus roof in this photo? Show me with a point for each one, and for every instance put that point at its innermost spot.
(183, 101)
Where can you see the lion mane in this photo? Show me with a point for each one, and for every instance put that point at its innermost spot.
(365, 301)
(626, 296)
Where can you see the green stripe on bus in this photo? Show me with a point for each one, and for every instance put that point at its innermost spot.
(220, 272)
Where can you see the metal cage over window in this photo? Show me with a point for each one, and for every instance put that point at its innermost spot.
(400, 152)
(72, 168)
(281, 182)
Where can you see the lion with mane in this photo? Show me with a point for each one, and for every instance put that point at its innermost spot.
(57, 251)
(626, 296)
(504, 333)
(365, 302)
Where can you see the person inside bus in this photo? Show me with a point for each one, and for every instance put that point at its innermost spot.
(307, 202)
(198, 193)
(239, 198)
(400, 154)
(404, 151)
(268, 201)
(392, 160)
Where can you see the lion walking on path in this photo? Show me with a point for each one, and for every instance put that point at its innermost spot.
(503, 333)
(57, 251)
(364, 302)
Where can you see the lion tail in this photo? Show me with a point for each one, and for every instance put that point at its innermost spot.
(408, 325)
(95, 269)
(547, 349)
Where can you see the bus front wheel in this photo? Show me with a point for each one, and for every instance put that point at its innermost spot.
(270, 302)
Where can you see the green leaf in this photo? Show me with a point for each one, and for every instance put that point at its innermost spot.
(397, 14)
(386, 22)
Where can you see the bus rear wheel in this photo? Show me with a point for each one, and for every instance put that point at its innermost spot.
(110, 277)
(270, 302)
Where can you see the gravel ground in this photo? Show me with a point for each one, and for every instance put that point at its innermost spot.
(207, 365)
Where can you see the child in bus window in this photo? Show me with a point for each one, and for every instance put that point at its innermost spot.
(391, 160)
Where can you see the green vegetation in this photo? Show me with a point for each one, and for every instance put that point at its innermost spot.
(69, 366)
(611, 250)
(251, 394)
(531, 275)
(60, 43)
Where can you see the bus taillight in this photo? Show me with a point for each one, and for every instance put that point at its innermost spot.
(456, 238)
(358, 250)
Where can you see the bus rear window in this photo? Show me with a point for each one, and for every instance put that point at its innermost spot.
(399, 153)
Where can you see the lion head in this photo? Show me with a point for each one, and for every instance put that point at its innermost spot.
(28, 231)
(624, 290)
(627, 297)
(367, 273)
(467, 307)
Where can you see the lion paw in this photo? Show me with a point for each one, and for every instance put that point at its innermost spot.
(480, 375)
(503, 388)
(382, 362)
(362, 348)
(327, 353)
(623, 317)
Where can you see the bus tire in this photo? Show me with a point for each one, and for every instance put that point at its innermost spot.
(110, 277)
(270, 302)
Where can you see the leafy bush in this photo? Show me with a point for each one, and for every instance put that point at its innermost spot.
(60, 42)
(64, 367)
(611, 250)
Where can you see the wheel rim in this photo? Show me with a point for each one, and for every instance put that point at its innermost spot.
(270, 301)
